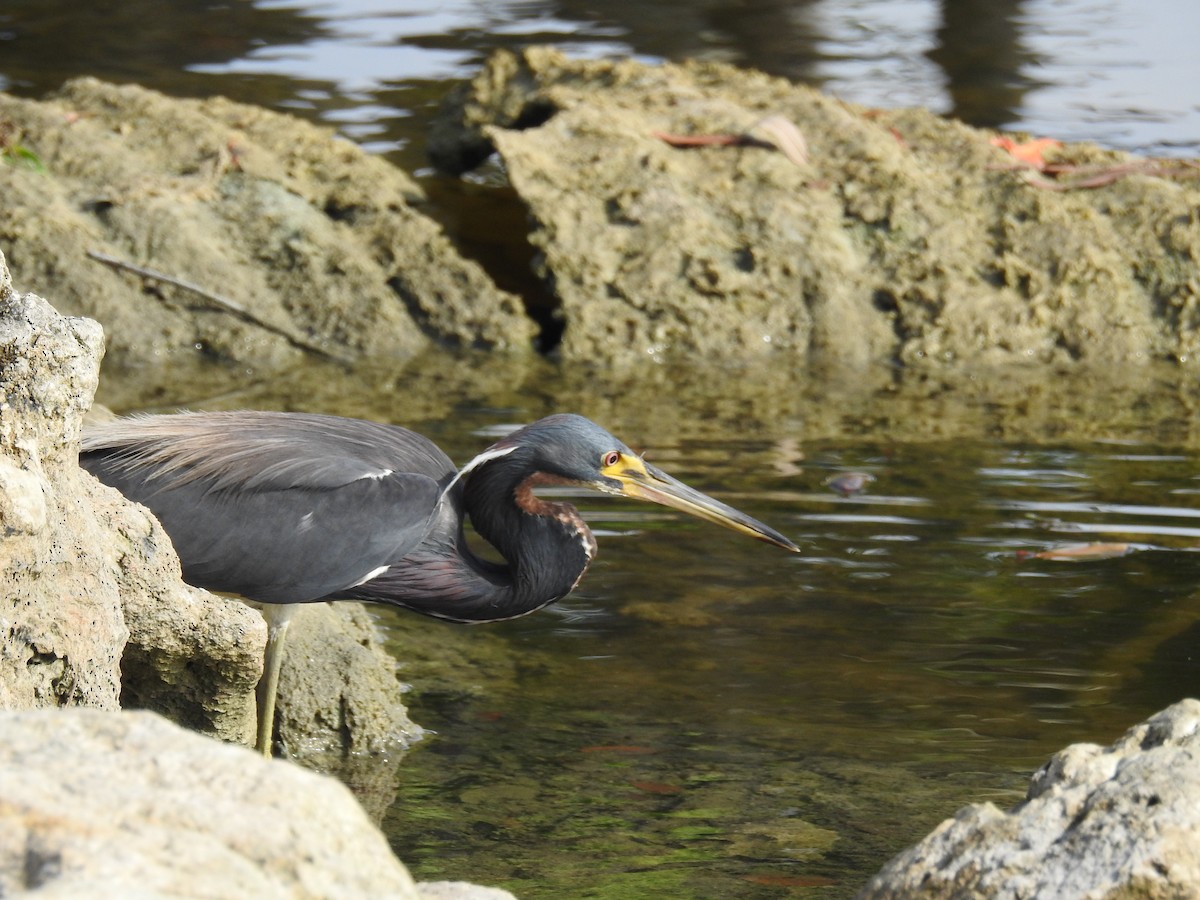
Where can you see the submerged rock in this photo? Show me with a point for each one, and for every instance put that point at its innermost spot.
(901, 237)
(317, 241)
(1098, 821)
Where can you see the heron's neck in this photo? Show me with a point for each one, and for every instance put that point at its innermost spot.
(546, 546)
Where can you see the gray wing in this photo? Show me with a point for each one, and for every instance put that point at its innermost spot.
(277, 507)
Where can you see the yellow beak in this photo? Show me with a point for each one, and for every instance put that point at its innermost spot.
(641, 481)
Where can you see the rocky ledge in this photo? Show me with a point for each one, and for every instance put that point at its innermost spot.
(288, 242)
(95, 615)
(107, 804)
(705, 210)
(1117, 821)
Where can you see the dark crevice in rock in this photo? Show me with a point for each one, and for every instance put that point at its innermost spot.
(489, 225)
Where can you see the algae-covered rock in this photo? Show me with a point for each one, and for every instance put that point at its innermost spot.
(338, 688)
(318, 242)
(903, 237)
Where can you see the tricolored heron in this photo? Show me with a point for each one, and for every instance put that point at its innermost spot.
(290, 508)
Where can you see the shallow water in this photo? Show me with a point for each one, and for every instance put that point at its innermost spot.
(709, 717)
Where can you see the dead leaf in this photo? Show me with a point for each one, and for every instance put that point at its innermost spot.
(774, 133)
(1028, 152)
(1081, 552)
(781, 133)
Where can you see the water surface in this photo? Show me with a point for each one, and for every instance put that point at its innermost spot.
(708, 717)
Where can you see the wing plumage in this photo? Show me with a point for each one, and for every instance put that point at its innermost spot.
(278, 507)
(253, 450)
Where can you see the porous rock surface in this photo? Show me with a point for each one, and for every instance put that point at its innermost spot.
(317, 240)
(338, 690)
(1098, 822)
(61, 626)
(96, 804)
(126, 804)
(95, 612)
(904, 237)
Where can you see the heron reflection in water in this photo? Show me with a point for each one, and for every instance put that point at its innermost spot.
(291, 508)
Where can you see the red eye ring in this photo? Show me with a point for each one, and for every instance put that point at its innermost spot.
(611, 458)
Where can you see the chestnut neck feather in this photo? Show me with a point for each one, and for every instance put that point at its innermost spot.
(546, 546)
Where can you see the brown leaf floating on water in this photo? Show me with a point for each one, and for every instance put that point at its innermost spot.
(1079, 552)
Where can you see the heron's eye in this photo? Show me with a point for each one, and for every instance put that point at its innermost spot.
(611, 458)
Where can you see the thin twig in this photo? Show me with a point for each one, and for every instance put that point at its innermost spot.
(772, 133)
(698, 140)
(235, 309)
(1067, 177)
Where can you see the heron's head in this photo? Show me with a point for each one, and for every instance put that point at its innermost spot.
(576, 450)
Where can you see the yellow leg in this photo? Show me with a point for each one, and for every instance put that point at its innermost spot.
(278, 615)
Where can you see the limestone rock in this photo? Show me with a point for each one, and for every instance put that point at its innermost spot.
(61, 627)
(100, 804)
(318, 241)
(338, 689)
(95, 609)
(902, 237)
(82, 567)
(194, 657)
(1098, 822)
